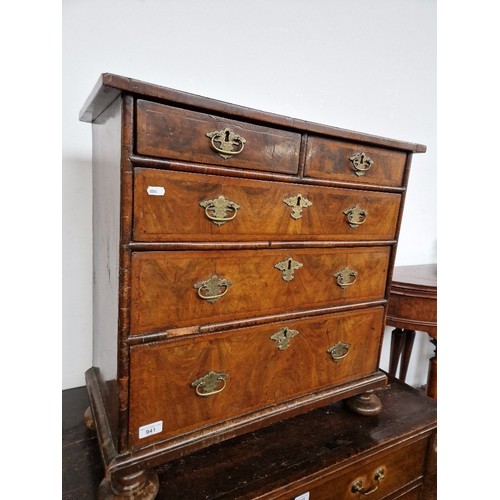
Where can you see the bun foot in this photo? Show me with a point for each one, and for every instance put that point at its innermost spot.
(143, 485)
(88, 419)
(367, 403)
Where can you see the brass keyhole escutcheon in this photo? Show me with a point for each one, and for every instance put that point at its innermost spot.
(356, 216)
(297, 203)
(226, 142)
(283, 337)
(287, 268)
(361, 163)
(210, 384)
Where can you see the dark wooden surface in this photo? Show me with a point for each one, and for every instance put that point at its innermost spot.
(255, 463)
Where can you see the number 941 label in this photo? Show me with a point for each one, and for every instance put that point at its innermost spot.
(150, 429)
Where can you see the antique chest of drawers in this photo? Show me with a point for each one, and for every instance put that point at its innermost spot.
(242, 263)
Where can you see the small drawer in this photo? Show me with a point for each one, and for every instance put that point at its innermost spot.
(178, 206)
(349, 162)
(196, 381)
(174, 289)
(178, 134)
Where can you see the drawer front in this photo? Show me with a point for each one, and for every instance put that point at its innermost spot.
(257, 367)
(344, 161)
(398, 469)
(174, 133)
(177, 206)
(188, 288)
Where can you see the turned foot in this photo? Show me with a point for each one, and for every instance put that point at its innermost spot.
(367, 404)
(88, 419)
(142, 485)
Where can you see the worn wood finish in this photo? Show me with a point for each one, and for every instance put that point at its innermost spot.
(154, 326)
(300, 454)
(262, 213)
(164, 297)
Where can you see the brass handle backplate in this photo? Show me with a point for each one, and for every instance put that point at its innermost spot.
(287, 268)
(213, 288)
(297, 203)
(210, 384)
(361, 163)
(339, 351)
(219, 210)
(357, 486)
(346, 277)
(283, 337)
(356, 216)
(226, 142)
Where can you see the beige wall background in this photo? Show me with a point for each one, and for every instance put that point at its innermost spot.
(358, 64)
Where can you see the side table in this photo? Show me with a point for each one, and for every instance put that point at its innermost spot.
(413, 307)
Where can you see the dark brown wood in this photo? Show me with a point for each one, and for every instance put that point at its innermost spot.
(313, 452)
(413, 306)
(155, 332)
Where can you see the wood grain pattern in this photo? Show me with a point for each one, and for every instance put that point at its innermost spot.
(178, 216)
(163, 293)
(170, 132)
(260, 374)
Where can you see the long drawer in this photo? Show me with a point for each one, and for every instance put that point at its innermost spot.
(200, 380)
(185, 288)
(177, 206)
(173, 133)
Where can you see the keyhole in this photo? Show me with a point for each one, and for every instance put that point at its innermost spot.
(227, 136)
(289, 263)
(298, 200)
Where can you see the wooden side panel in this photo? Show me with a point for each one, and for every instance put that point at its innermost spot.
(259, 373)
(168, 132)
(164, 294)
(167, 208)
(329, 159)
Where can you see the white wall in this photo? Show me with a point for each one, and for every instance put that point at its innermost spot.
(356, 64)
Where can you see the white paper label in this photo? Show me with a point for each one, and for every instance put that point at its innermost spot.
(156, 190)
(150, 429)
(304, 496)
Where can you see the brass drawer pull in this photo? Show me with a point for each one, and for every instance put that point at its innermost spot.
(225, 141)
(287, 268)
(297, 203)
(210, 384)
(361, 163)
(356, 216)
(213, 288)
(217, 210)
(339, 351)
(346, 277)
(357, 486)
(283, 337)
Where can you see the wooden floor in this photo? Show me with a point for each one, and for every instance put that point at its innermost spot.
(252, 461)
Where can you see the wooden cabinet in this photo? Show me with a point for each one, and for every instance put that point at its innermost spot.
(241, 267)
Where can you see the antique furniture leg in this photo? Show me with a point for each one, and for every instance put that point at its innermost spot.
(432, 374)
(401, 347)
(367, 404)
(142, 485)
(406, 354)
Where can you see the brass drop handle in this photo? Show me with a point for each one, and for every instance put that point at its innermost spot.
(219, 210)
(339, 351)
(356, 216)
(346, 277)
(357, 486)
(361, 163)
(213, 288)
(226, 142)
(210, 384)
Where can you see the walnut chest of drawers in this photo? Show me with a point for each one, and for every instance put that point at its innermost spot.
(242, 262)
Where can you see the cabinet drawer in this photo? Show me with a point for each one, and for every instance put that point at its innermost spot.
(398, 468)
(255, 369)
(177, 206)
(348, 162)
(188, 288)
(174, 133)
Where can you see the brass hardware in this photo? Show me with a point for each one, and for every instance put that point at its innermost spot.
(227, 141)
(357, 486)
(283, 337)
(339, 351)
(346, 277)
(356, 216)
(216, 210)
(213, 288)
(210, 383)
(297, 203)
(361, 163)
(287, 267)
